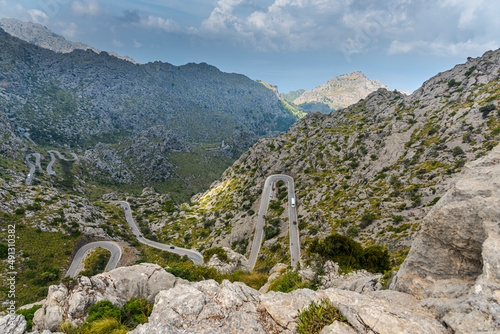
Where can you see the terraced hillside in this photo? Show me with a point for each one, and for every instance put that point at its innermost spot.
(371, 171)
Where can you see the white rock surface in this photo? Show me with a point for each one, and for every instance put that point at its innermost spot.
(12, 324)
(118, 286)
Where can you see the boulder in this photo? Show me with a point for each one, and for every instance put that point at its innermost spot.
(455, 256)
(209, 307)
(118, 286)
(338, 328)
(235, 261)
(12, 324)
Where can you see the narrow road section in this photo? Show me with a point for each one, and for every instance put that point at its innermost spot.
(31, 175)
(77, 264)
(293, 230)
(193, 255)
(50, 171)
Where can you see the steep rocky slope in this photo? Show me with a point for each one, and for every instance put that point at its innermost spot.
(40, 35)
(371, 171)
(339, 92)
(155, 117)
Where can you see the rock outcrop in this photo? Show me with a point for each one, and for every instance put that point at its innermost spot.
(118, 286)
(209, 307)
(12, 324)
(454, 263)
(360, 281)
(234, 261)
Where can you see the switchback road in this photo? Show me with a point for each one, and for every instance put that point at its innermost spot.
(77, 264)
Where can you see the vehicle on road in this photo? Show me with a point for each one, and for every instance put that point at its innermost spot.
(125, 208)
(271, 197)
(140, 235)
(294, 222)
(293, 202)
(263, 216)
(172, 247)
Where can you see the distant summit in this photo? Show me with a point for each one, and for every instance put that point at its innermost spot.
(339, 92)
(40, 35)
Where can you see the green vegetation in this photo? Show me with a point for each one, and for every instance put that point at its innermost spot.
(349, 254)
(220, 252)
(29, 315)
(46, 255)
(96, 262)
(316, 316)
(288, 281)
(105, 318)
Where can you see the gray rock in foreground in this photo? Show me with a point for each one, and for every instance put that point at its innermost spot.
(118, 286)
(12, 324)
(454, 263)
(209, 307)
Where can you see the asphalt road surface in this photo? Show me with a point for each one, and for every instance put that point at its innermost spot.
(31, 175)
(50, 171)
(292, 216)
(77, 264)
(194, 256)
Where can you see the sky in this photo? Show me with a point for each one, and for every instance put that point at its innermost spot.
(290, 43)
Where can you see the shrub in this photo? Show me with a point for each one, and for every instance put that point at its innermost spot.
(135, 312)
(397, 219)
(169, 205)
(376, 259)
(220, 252)
(96, 262)
(485, 110)
(4, 252)
(103, 309)
(28, 315)
(20, 211)
(339, 248)
(287, 282)
(349, 254)
(352, 231)
(367, 219)
(316, 316)
(270, 231)
(457, 150)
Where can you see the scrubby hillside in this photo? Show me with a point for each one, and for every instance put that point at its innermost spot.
(154, 120)
(371, 171)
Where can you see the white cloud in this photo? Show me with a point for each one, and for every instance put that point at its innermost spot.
(149, 21)
(90, 7)
(442, 48)
(355, 26)
(156, 22)
(37, 16)
(68, 30)
(137, 44)
(118, 43)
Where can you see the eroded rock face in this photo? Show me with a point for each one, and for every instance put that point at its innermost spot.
(12, 324)
(454, 263)
(360, 281)
(118, 286)
(209, 307)
(235, 261)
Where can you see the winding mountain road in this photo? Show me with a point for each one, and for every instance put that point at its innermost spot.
(31, 174)
(193, 255)
(77, 264)
(50, 171)
(292, 217)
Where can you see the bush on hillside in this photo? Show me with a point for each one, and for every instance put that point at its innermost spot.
(316, 316)
(220, 252)
(349, 254)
